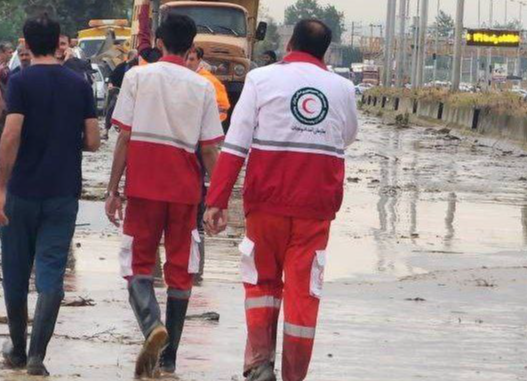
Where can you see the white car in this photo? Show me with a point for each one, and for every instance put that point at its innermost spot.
(99, 88)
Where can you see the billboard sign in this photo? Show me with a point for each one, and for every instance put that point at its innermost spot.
(493, 38)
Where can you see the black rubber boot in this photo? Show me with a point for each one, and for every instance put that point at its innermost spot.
(46, 313)
(144, 303)
(264, 372)
(175, 321)
(14, 351)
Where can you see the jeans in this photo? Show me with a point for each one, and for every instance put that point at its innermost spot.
(39, 232)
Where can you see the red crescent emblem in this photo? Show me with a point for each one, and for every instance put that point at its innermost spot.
(305, 103)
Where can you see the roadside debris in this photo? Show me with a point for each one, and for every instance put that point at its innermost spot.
(78, 302)
(207, 316)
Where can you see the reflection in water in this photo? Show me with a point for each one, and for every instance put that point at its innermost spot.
(387, 207)
(524, 222)
(449, 220)
(414, 198)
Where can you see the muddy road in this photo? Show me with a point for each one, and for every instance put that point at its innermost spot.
(427, 273)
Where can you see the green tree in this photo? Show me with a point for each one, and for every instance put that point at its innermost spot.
(72, 14)
(304, 9)
(445, 24)
(511, 25)
(351, 55)
(335, 20)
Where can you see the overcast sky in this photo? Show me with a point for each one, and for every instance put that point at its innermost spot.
(368, 11)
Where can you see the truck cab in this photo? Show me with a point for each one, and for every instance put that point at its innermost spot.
(227, 33)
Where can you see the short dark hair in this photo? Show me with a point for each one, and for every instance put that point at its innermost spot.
(272, 54)
(151, 55)
(177, 32)
(67, 36)
(312, 36)
(42, 35)
(200, 53)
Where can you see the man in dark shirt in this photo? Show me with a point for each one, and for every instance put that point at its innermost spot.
(25, 59)
(51, 119)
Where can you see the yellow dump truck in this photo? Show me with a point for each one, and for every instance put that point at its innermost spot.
(92, 40)
(227, 32)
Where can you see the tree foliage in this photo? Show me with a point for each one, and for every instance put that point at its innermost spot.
(444, 24)
(304, 9)
(72, 14)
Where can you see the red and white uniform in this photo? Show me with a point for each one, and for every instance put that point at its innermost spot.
(293, 123)
(169, 110)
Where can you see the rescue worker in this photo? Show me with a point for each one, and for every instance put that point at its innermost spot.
(294, 133)
(24, 55)
(195, 63)
(164, 112)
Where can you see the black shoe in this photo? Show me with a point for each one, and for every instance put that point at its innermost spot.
(146, 309)
(46, 313)
(175, 321)
(14, 351)
(264, 372)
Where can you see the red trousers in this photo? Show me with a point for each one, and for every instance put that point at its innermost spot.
(276, 246)
(144, 225)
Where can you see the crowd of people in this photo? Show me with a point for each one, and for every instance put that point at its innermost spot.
(292, 125)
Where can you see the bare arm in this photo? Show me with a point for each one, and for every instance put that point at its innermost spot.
(9, 146)
(114, 204)
(210, 154)
(92, 136)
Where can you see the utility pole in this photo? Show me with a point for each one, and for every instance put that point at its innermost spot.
(352, 33)
(506, 13)
(458, 46)
(488, 71)
(389, 42)
(478, 49)
(415, 50)
(156, 4)
(436, 48)
(519, 59)
(421, 61)
(402, 43)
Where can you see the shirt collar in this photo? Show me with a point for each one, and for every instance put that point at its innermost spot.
(297, 56)
(172, 58)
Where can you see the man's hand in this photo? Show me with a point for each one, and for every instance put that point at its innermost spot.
(4, 221)
(114, 209)
(215, 220)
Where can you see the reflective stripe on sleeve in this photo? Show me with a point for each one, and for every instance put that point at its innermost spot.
(179, 294)
(299, 331)
(262, 302)
(236, 148)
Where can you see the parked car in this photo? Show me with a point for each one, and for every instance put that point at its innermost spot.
(100, 88)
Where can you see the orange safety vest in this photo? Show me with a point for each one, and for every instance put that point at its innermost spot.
(221, 93)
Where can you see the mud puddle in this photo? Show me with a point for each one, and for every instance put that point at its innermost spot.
(426, 279)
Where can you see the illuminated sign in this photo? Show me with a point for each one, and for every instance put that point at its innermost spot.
(493, 37)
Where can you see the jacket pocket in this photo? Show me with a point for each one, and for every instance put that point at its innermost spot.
(248, 264)
(194, 260)
(317, 274)
(125, 256)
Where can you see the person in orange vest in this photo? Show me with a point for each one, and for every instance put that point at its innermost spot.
(195, 63)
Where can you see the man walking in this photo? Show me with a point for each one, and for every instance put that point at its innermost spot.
(164, 112)
(51, 119)
(25, 59)
(295, 133)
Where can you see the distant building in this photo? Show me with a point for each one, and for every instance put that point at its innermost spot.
(334, 57)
